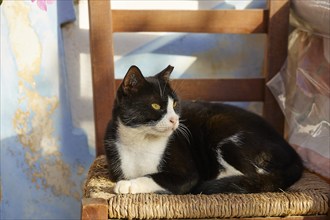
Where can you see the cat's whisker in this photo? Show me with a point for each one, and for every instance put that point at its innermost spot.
(183, 126)
(182, 129)
(184, 134)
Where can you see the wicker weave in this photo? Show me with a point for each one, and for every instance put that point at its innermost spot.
(309, 196)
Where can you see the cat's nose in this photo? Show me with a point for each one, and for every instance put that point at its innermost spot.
(173, 119)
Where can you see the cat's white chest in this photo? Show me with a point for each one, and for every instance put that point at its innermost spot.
(141, 157)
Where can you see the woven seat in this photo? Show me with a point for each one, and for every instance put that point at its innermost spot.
(309, 196)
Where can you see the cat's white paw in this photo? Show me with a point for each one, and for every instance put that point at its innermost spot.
(138, 185)
(125, 186)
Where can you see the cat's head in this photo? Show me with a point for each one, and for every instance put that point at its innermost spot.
(148, 102)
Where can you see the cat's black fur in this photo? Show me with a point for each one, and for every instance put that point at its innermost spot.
(190, 163)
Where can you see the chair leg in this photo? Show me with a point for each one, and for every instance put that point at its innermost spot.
(94, 209)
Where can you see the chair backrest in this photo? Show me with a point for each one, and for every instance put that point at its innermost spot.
(272, 21)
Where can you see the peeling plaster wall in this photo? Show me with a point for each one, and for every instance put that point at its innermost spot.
(44, 159)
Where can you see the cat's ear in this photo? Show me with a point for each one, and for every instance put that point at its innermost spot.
(166, 73)
(133, 80)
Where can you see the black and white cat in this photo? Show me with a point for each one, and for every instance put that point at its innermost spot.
(157, 143)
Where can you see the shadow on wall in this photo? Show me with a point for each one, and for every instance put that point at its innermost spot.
(78, 88)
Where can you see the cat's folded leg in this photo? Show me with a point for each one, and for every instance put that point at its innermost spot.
(163, 182)
(138, 185)
(177, 182)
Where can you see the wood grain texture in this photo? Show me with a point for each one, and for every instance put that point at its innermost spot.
(276, 52)
(101, 46)
(199, 21)
(218, 89)
(94, 209)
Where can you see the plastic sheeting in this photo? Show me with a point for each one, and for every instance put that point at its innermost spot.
(302, 87)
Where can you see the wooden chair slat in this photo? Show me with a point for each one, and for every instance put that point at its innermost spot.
(102, 75)
(276, 52)
(198, 21)
(218, 89)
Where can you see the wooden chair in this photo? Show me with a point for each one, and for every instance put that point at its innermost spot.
(272, 21)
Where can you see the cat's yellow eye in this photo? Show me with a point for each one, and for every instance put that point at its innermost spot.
(155, 106)
(174, 104)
